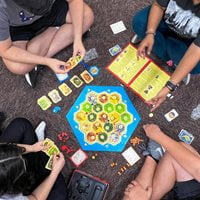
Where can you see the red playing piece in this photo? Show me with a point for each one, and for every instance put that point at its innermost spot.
(63, 136)
(66, 149)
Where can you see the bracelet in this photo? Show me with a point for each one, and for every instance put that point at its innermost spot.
(148, 33)
(171, 86)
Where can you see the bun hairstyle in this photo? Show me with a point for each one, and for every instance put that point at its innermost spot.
(13, 176)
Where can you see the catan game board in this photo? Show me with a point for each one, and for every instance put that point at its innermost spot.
(103, 118)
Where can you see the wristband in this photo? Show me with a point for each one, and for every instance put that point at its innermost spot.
(171, 86)
(150, 33)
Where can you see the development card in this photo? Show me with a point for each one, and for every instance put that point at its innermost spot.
(65, 89)
(115, 50)
(76, 81)
(49, 164)
(44, 102)
(78, 157)
(54, 95)
(131, 156)
(85, 75)
(171, 115)
(185, 136)
(118, 27)
(90, 55)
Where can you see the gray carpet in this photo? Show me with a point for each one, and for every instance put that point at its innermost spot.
(18, 100)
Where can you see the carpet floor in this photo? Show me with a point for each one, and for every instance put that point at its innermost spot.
(17, 99)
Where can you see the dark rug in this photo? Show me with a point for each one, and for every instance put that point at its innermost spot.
(18, 100)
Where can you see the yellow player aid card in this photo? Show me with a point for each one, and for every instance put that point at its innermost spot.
(85, 75)
(65, 89)
(44, 102)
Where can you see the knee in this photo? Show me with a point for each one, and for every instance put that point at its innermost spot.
(17, 68)
(20, 121)
(88, 16)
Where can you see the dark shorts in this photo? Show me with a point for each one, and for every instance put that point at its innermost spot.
(187, 190)
(56, 17)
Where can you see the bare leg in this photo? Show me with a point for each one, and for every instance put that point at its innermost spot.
(145, 177)
(167, 173)
(38, 45)
(50, 42)
(64, 37)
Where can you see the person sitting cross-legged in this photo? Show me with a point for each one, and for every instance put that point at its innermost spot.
(33, 31)
(175, 169)
(23, 175)
(171, 30)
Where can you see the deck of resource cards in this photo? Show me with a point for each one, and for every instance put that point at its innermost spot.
(50, 150)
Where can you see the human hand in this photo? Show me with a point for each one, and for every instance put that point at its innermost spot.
(38, 146)
(152, 131)
(58, 163)
(136, 191)
(59, 67)
(79, 48)
(159, 98)
(145, 46)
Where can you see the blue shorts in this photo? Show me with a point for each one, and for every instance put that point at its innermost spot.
(56, 17)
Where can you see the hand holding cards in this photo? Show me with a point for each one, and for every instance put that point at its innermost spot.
(50, 150)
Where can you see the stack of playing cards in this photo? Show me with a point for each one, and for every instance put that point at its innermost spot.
(172, 114)
(86, 76)
(50, 149)
(76, 81)
(90, 55)
(65, 89)
(54, 96)
(115, 50)
(185, 136)
(44, 102)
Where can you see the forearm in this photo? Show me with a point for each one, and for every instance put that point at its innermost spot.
(187, 63)
(22, 56)
(27, 148)
(155, 16)
(43, 190)
(76, 12)
(187, 159)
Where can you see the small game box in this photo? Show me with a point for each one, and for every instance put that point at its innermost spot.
(143, 76)
(86, 186)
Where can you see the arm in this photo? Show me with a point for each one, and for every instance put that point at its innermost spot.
(43, 190)
(187, 63)
(38, 146)
(76, 9)
(10, 52)
(187, 159)
(155, 16)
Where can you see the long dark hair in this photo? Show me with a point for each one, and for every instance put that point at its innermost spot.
(14, 178)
